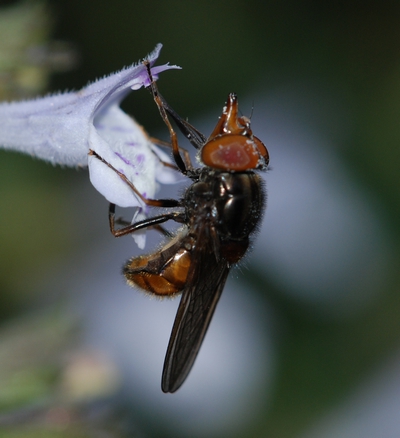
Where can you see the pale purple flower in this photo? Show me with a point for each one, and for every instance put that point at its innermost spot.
(62, 128)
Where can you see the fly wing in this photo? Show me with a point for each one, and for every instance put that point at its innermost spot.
(199, 298)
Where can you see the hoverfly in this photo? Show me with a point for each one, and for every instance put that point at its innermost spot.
(219, 213)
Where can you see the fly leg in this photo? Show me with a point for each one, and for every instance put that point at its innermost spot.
(125, 223)
(148, 201)
(146, 223)
(196, 138)
(153, 222)
(186, 156)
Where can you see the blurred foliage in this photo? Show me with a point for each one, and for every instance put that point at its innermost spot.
(27, 55)
(320, 358)
(29, 227)
(29, 359)
(48, 385)
(346, 48)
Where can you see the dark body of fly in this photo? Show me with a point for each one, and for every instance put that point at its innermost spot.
(219, 213)
(225, 208)
(222, 210)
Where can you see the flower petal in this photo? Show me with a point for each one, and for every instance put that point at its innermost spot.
(130, 153)
(57, 128)
(62, 128)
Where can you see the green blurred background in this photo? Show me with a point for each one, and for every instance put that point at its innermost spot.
(350, 49)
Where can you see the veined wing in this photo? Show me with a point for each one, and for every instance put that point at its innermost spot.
(200, 296)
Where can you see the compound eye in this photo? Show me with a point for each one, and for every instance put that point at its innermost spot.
(263, 151)
(233, 152)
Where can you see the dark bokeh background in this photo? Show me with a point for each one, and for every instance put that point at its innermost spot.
(349, 50)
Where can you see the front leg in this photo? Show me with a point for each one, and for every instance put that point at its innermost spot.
(150, 202)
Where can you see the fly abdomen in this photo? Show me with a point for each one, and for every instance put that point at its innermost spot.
(161, 273)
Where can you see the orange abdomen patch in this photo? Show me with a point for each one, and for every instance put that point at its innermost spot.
(154, 275)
